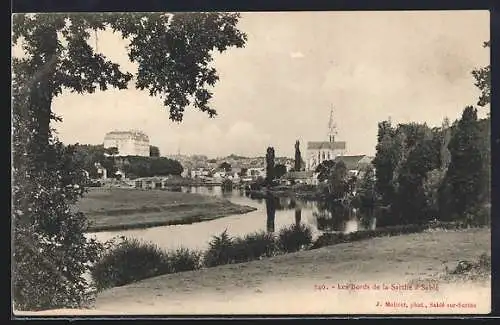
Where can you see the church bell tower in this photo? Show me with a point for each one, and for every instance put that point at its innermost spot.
(332, 128)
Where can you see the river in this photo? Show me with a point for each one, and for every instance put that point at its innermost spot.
(271, 215)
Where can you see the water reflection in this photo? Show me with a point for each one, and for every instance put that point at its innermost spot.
(270, 211)
(272, 214)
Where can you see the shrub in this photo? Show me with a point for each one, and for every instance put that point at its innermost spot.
(254, 246)
(472, 270)
(327, 239)
(184, 259)
(219, 252)
(294, 237)
(129, 261)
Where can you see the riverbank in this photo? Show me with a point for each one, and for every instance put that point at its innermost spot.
(301, 192)
(119, 209)
(287, 284)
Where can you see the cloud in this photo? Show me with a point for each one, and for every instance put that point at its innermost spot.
(296, 55)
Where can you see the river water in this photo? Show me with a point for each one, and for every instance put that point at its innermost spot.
(271, 215)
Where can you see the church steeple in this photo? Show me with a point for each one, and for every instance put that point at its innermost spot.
(332, 128)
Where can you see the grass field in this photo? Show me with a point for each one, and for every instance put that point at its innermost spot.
(118, 209)
(287, 284)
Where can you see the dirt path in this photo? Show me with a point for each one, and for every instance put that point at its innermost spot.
(286, 284)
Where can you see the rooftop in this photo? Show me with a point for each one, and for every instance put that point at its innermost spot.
(315, 145)
(354, 162)
(132, 133)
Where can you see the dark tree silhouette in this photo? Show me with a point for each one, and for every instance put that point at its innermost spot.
(270, 176)
(298, 157)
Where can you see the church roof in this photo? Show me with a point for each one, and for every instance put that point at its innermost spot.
(315, 145)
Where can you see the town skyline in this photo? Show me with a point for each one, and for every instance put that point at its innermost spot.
(409, 66)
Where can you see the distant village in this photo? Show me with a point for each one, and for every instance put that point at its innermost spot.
(237, 169)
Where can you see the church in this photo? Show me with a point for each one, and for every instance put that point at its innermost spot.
(319, 151)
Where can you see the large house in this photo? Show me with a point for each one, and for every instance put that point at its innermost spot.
(128, 143)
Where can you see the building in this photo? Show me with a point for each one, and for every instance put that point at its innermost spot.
(356, 165)
(128, 143)
(255, 173)
(319, 151)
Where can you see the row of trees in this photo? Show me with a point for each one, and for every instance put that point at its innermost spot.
(87, 156)
(428, 173)
(421, 172)
(137, 166)
(436, 173)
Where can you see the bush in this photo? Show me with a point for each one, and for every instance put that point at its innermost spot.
(472, 270)
(133, 260)
(219, 252)
(225, 250)
(254, 246)
(184, 259)
(328, 239)
(129, 261)
(294, 237)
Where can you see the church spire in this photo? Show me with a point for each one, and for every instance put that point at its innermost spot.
(332, 128)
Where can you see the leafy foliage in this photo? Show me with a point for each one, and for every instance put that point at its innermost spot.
(466, 175)
(483, 81)
(219, 252)
(366, 196)
(294, 237)
(133, 260)
(151, 166)
(50, 252)
(225, 166)
(254, 246)
(324, 170)
(279, 170)
(174, 55)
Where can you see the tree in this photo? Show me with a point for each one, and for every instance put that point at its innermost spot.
(366, 195)
(154, 151)
(324, 169)
(410, 205)
(279, 170)
(174, 57)
(445, 141)
(298, 157)
(384, 162)
(483, 81)
(270, 176)
(338, 182)
(225, 166)
(466, 174)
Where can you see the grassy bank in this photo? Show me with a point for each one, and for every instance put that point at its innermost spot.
(225, 249)
(292, 277)
(119, 209)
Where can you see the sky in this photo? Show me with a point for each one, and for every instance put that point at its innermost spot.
(279, 88)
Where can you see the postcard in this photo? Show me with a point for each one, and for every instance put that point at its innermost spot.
(252, 163)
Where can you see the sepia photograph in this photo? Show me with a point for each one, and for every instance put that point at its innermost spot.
(251, 163)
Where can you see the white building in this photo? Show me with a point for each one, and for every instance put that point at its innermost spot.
(128, 143)
(255, 173)
(319, 151)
